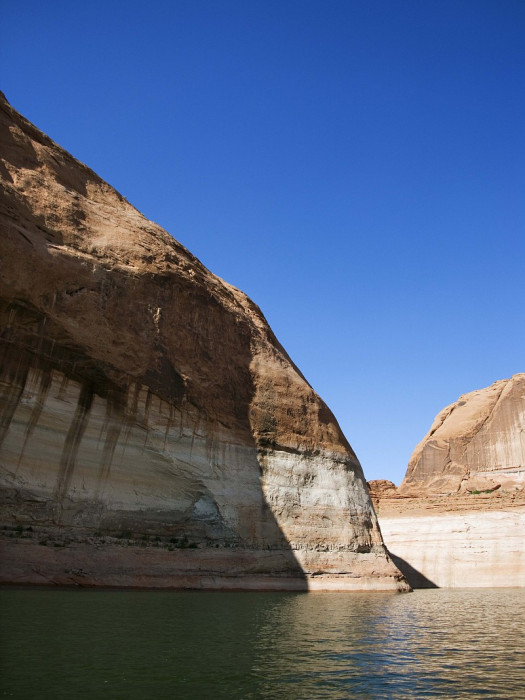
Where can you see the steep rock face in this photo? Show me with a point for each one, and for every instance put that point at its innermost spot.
(475, 444)
(465, 540)
(458, 518)
(150, 422)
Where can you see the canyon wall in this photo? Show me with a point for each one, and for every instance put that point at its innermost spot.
(153, 431)
(458, 518)
(456, 541)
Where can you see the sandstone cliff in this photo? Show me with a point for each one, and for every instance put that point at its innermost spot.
(458, 518)
(152, 429)
(458, 541)
(475, 444)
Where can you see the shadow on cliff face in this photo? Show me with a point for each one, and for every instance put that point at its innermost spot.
(31, 345)
(414, 577)
(126, 368)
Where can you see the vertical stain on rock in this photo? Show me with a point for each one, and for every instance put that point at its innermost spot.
(147, 406)
(43, 389)
(72, 442)
(112, 425)
(13, 378)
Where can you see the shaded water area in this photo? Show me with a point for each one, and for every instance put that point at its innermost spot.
(182, 645)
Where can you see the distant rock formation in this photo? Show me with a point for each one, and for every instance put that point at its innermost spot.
(381, 487)
(475, 444)
(458, 518)
(153, 431)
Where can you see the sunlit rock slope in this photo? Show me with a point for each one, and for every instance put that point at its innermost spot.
(153, 431)
(458, 518)
(475, 444)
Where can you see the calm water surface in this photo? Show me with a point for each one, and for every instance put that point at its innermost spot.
(121, 644)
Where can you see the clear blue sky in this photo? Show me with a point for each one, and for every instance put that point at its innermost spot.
(356, 166)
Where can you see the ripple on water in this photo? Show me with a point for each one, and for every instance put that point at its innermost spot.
(130, 644)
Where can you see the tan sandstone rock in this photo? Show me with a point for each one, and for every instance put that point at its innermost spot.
(457, 541)
(153, 431)
(458, 518)
(476, 443)
(379, 488)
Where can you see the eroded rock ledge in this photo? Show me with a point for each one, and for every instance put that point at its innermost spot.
(153, 432)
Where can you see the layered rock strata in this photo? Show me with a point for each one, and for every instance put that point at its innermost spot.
(458, 518)
(456, 541)
(153, 431)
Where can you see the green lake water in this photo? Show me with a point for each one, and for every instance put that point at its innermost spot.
(69, 644)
